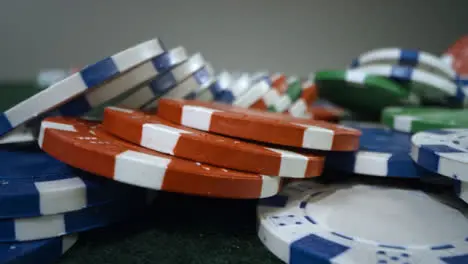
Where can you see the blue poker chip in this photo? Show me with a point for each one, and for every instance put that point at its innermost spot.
(444, 152)
(382, 152)
(362, 223)
(32, 252)
(90, 77)
(49, 226)
(34, 184)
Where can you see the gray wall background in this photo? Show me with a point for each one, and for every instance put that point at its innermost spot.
(296, 36)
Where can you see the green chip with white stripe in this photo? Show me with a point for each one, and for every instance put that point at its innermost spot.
(414, 119)
(359, 91)
(293, 93)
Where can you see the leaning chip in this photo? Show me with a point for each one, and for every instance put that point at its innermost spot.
(152, 132)
(259, 125)
(87, 146)
(362, 223)
(457, 57)
(79, 83)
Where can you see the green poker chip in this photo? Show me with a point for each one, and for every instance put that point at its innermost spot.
(361, 92)
(416, 119)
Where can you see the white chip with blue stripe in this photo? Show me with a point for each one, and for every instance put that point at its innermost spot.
(358, 223)
(442, 151)
(79, 83)
(164, 83)
(414, 58)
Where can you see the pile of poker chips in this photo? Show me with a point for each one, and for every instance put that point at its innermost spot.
(149, 119)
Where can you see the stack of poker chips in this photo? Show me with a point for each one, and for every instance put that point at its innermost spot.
(149, 119)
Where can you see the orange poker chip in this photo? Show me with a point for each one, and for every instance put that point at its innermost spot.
(457, 56)
(85, 145)
(259, 125)
(152, 132)
(325, 113)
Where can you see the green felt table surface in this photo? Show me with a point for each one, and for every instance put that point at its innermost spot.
(178, 229)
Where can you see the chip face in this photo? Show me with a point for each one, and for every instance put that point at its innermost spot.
(260, 126)
(304, 224)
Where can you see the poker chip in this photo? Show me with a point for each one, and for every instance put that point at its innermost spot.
(47, 250)
(293, 93)
(414, 58)
(361, 223)
(428, 86)
(123, 84)
(461, 190)
(298, 107)
(235, 89)
(274, 95)
(412, 120)
(457, 56)
(260, 126)
(155, 133)
(87, 146)
(19, 135)
(382, 152)
(35, 184)
(78, 83)
(442, 151)
(165, 83)
(50, 226)
(255, 93)
(325, 113)
(279, 82)
(358, 90)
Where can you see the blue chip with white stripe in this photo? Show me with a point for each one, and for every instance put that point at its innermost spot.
(79, 83)
(442, 151)
(382, 152)
(49, 226)
(41, 251)
(34, 184)
(361, 223)
(414, 58)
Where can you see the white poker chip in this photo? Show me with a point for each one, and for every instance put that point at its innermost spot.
(79, 83)
(253, 94)
(442, 151)
(163, 83)
(360, 223)
(414, 58)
